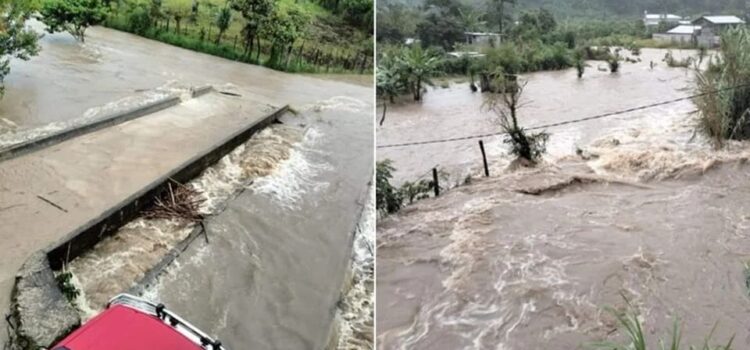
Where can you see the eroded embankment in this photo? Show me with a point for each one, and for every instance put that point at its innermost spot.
(529, 260)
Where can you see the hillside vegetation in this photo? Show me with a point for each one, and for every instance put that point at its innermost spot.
(292, 35)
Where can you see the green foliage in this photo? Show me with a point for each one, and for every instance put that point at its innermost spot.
(724, 104)
(396, 22)
(388, 199)
(358, 13)
(139, 17)
(282, 28)
(15, 39)
(73, 16)
(64, 281)
(416, 191)
(177, 10)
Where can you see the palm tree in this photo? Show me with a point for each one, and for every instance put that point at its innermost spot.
(471, 20)
(419, 66)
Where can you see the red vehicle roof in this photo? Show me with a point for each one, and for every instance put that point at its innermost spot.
(124, 328)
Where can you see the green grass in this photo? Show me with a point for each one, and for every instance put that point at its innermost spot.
(630, 323)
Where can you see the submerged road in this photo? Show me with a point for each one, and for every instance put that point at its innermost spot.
(69, 80)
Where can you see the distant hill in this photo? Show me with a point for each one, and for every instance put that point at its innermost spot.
(620, 8)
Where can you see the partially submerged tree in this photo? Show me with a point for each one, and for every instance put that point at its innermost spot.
(15, 39)
(73, 16)
(523, 144)
(614, 62)
(389, 82)
(580, 64)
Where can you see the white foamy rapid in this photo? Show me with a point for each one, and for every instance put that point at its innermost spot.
(355, 313)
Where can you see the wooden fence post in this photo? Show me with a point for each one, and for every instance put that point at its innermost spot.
(435, 182)
(484, 159)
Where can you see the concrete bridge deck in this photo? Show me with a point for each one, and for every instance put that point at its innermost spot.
(45, 195)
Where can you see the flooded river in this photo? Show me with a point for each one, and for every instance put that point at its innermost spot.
(549, 97)
(529, 259)
(284, 257)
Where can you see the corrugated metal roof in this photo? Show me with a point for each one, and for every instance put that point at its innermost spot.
(722, 19)
(684, 29)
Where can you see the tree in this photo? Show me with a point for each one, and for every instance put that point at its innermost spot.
(419, 66)
(529, 147)
(255, 13)
(15, 40)
(178, 10)
(223, 19)
(282, 28)
(397, 22)
(73, 16)
(358, 13)
(440, 29)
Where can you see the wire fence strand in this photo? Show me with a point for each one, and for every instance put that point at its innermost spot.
(567, 122)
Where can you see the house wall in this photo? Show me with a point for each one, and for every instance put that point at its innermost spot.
(674, 38)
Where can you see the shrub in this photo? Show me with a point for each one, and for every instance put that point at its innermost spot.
(675, 63)
(614, 62)
(69, 290)
(388, 199)
(724, 101)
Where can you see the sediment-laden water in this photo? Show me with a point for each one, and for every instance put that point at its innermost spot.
(636, 207)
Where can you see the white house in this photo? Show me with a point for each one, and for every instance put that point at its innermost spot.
(684, 34)
(653, 20)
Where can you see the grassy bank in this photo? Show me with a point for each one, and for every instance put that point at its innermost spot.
(324, 42)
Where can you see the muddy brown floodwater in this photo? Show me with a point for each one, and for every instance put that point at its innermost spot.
(286, 263)
(529, 258)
